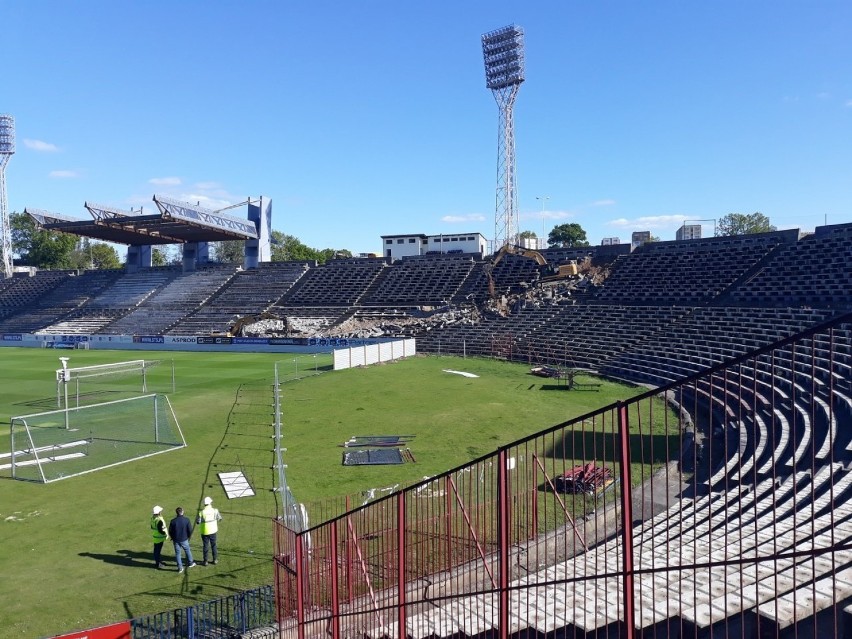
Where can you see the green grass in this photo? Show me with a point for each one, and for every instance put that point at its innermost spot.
(77, 553)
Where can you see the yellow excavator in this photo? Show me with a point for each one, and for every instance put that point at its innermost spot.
(548, 273)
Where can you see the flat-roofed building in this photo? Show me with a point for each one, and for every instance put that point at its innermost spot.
(689, 232)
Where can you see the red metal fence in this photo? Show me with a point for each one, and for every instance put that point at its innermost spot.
(718, 504)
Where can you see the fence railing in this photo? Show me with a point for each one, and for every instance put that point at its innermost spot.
(720, 503)
(223, 618)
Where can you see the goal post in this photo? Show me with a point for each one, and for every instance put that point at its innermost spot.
(59, 444)
(133, 377)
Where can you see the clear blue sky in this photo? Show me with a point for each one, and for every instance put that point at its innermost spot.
(365, 118)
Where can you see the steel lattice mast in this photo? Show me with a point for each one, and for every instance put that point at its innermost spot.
(7, 149)
(503, 53)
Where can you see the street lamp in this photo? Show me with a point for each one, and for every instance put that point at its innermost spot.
(543, 199)
(65, 376)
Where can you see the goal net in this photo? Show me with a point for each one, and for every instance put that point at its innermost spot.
(92, 384)
(59, 444)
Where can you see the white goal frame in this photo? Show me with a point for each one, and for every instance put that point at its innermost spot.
(64, 376)
(45, 454)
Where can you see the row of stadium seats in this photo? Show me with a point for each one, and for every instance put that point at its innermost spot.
(73, 292)
(246, 293)
(757, 544)
(815, 272)
(809, 272)
(21, 291)
(685, 272)
(429, 282)
(123, 294)
(173, 302)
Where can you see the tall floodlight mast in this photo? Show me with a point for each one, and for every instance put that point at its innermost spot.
(7, 149)
(503, 52)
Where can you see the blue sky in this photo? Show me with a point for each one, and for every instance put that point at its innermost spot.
(366, 118)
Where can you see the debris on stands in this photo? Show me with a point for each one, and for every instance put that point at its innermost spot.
(587, 479)
(377, 457)
(377, 440)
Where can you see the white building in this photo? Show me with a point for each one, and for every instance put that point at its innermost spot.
(689, 232)
(399, 246)
(534, 243)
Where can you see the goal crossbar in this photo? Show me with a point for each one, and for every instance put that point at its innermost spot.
(81, 384)
(97, 370)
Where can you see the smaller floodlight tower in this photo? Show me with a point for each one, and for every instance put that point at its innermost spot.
(7, 149)
(503, 52)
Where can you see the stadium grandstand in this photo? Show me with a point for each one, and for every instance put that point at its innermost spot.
(729, 512)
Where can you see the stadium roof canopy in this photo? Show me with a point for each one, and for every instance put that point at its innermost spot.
(175, 223)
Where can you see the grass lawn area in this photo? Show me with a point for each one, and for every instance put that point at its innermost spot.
(77, 552)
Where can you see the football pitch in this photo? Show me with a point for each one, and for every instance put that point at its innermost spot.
(77, 553)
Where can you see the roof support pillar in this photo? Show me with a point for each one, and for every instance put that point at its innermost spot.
(138, 256)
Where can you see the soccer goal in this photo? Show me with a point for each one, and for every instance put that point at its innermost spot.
(59, 444)
(93, 384)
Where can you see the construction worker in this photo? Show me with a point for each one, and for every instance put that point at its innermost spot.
(208, 520)
(159, 533)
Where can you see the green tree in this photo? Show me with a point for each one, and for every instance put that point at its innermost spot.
(744, 224)
(96, 255)
(104, 256)
(567, 236)
(159, 257)
(35, 247)
(229, 251)
(526, 235)
(289, 248)
(327, 254)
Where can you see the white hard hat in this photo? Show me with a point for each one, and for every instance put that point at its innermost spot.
(208, 501)
(157, 510)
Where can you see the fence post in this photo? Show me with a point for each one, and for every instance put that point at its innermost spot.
(190, 622)
(335, 585)
(400, 560)
(243, 608)
(503, 542)
(626, 519)
(448, 521)
(301, 576)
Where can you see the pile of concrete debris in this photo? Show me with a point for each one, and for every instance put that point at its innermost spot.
(396, 322)
(409, 324)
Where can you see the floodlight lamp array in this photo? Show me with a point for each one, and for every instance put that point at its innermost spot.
(503, 53)
(7, 135)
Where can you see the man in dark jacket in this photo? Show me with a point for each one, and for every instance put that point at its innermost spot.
(180, 530)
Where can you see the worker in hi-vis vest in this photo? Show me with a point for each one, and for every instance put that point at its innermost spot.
(208, 521)
(160, 533)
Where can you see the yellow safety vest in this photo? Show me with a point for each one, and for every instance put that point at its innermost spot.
(207, 520)
(155, 530)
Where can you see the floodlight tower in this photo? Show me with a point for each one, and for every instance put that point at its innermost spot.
(503, 52)
(7, 149)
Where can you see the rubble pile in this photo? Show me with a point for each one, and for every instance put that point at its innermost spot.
(265, 328)
(408, 324)
(367, 323)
